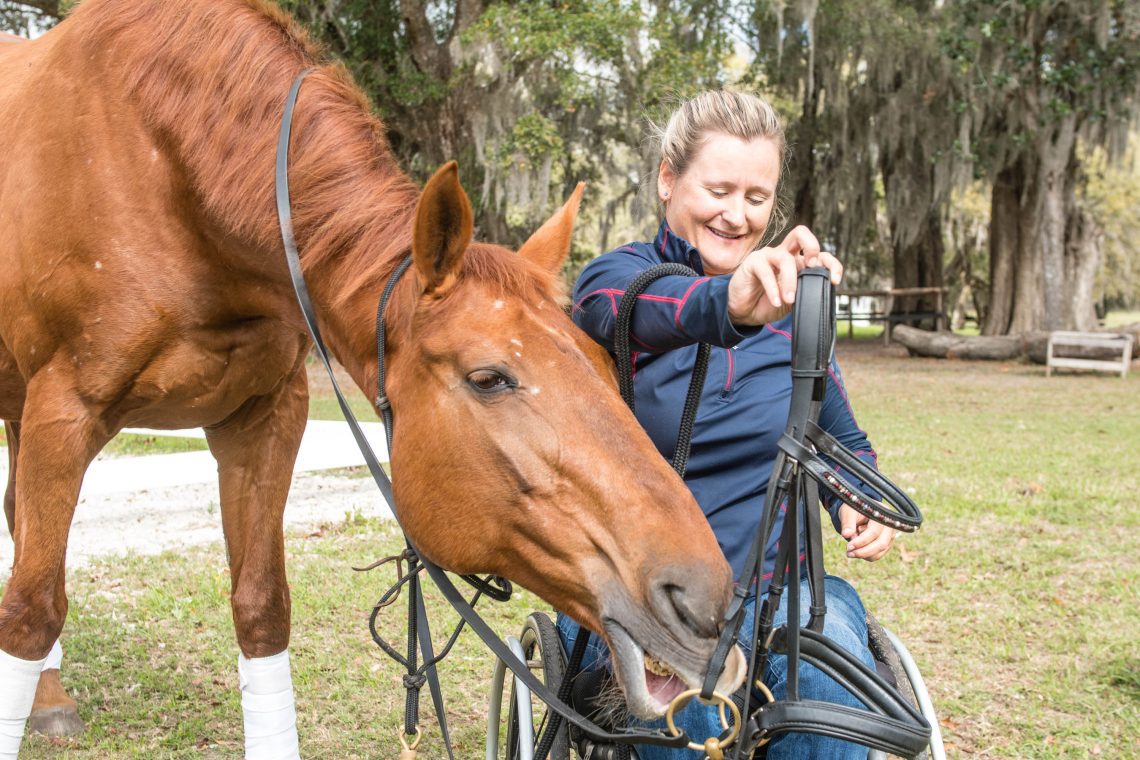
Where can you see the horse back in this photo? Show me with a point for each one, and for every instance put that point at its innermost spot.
(109, 268)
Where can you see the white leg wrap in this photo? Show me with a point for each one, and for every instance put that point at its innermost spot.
(18, 681)
(55, 657)
(267, 706)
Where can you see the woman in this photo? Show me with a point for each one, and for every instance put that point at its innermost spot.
(721, 159)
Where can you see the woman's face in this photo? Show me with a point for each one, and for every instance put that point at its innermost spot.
(724, 200)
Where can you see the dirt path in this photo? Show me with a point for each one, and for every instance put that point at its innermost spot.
(150, 504)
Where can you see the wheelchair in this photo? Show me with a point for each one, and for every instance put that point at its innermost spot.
(540, 648)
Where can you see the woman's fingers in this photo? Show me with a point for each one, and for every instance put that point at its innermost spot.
(801, 242)
(872, 543)
(761, 268)
(763, 288)
(804, 246)
(786, 268)
(825, 259)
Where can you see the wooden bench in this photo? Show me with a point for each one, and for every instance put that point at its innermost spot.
(1084, 342)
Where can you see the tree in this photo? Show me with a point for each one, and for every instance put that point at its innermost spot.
(530, 96)
(28, 18)
(1041, 76)
(874, 135)
(890, 104)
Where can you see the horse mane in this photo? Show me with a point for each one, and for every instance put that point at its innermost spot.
(210, 79)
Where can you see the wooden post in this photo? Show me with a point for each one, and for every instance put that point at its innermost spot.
(887, 312)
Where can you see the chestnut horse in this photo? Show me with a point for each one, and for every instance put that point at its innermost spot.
(143, 283)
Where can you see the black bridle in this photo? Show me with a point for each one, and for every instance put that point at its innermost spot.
(419, 631)
(890, 723)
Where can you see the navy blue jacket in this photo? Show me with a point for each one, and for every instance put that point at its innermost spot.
(744, 405)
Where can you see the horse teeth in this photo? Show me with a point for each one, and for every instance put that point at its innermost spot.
(656, 667)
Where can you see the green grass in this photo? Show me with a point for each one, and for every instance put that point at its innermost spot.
(133, 445)
(1019, 597)
(1121, 318)
(327, 408)
(152, 658)
(322, 402)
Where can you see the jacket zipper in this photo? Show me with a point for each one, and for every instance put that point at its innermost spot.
(730, 374)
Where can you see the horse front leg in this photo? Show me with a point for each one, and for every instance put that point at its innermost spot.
(50, 449)
(256, 449)
(54, 713)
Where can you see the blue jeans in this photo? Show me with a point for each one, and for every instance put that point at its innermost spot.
(845, 624)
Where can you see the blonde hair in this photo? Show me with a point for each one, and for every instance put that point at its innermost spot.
(739, 114)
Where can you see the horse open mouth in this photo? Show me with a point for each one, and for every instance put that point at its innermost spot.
(650, 683)
(662, 683)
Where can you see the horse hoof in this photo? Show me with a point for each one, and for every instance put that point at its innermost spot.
(56, 721)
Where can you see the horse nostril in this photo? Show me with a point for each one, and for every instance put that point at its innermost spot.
(695, 613)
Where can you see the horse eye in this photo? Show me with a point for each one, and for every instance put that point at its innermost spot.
(490, 381)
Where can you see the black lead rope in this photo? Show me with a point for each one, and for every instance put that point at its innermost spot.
(623, 356)
(438, 576)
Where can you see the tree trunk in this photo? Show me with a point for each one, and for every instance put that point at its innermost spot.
(1005, 234)
(1031, 345)
(1030, 289)
(919, 265)
(1054, 164)
(914, 206)
(1083, 244)
(803, 208)
(950, 346)
(1027, 307)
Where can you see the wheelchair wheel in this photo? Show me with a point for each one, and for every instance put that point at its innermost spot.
(889, 650)
(542, 649)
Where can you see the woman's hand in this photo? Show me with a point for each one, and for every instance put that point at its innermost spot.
(866, 539)
(763, 287)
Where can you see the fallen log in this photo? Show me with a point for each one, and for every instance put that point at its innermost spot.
(946, 345)
(1133, 330)
(1032, 346)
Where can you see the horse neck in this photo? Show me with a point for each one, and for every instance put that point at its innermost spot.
(215, 109)
(352, 210)
(346, 283)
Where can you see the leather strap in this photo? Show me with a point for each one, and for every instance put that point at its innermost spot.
(889, 723)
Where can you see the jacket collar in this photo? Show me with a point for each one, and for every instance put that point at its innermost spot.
(672, 248)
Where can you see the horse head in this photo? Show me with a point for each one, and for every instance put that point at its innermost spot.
(516, 455)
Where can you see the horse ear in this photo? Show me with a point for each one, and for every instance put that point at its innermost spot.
(550, 244)
(442, 230)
